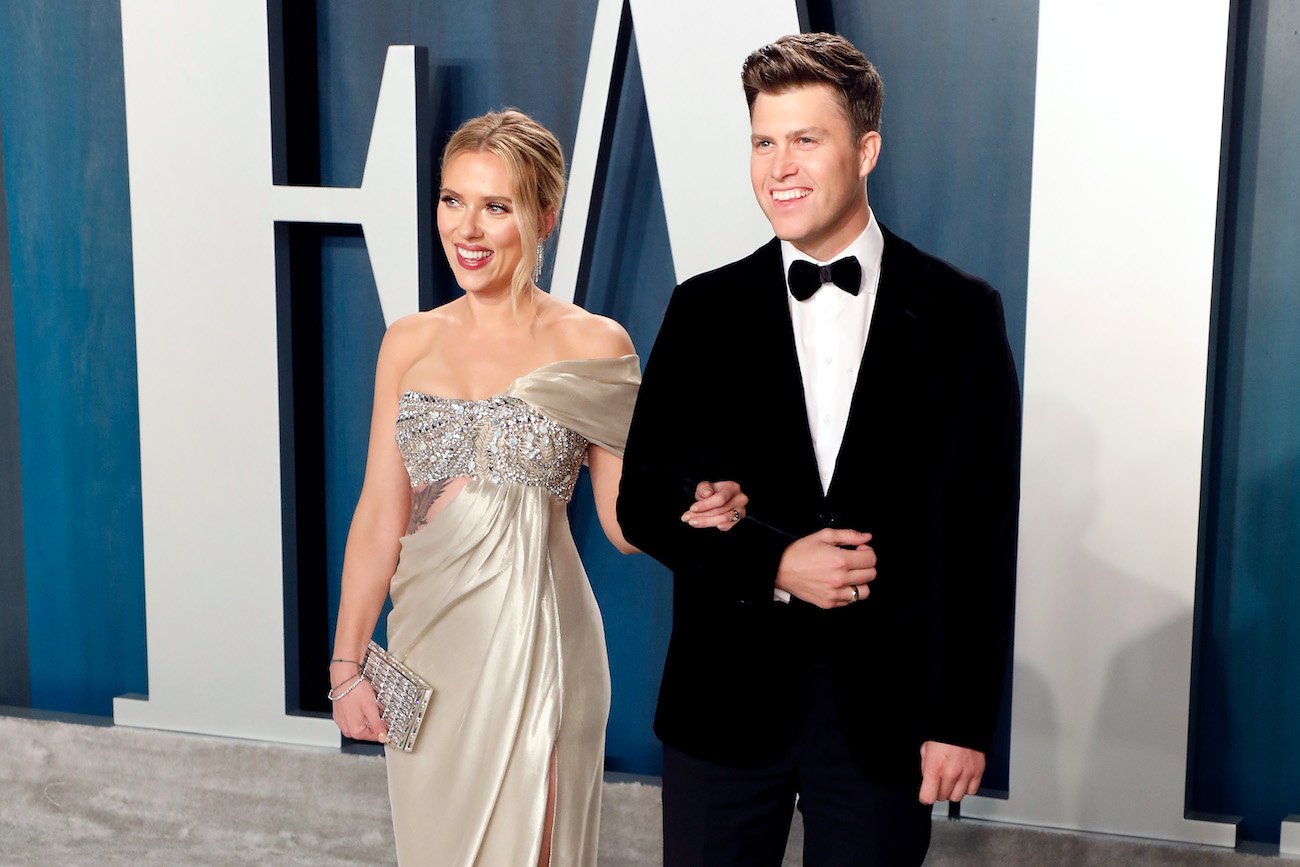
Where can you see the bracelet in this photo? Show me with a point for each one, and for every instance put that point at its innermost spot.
(353, 661)
(332, 697)
(344, 681)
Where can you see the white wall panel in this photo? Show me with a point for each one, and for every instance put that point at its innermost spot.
(1291, 836)
(203, 208)
(1125, 184)
(700, 121)
(586, 150)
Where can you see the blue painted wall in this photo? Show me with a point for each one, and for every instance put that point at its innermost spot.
(1246, 756)
(631, 280)
(62, 106)
(958, 131)
(15, 679)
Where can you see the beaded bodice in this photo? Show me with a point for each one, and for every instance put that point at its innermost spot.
(501, 438)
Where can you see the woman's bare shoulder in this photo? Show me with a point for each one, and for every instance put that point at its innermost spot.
(419, 328)
(411, 336)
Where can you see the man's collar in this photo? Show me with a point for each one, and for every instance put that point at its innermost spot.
(869, 246)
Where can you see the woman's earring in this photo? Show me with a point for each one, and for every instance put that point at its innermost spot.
(537, 268)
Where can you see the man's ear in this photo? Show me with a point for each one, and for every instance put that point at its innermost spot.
(868, 152)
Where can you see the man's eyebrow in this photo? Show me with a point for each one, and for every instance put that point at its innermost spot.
(798, 133)
(808, 130)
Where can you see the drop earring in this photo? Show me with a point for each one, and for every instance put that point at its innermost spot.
(537, 268)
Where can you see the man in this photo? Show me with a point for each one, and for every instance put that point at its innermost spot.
(845, 641)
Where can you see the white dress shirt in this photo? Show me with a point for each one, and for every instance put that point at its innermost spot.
(830, 336)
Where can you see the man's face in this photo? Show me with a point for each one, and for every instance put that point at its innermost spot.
(808, 172)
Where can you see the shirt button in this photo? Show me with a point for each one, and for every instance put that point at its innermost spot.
(827, 418)
(827, 360)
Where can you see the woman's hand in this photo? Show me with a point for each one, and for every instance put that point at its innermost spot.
(717, 504)
(356, 713)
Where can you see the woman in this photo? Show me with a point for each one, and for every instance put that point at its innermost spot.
(484, 409)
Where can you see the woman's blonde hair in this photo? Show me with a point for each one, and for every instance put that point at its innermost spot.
(535, 166)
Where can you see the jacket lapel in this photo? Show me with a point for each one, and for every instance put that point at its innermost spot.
(891, 340)
(782, 388)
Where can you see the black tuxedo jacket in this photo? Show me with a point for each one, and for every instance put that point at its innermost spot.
(929, 465)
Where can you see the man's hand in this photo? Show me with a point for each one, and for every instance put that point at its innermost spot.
(717, 504)
(949, 773)
(825, 568)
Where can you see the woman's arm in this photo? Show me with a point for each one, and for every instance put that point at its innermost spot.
(717, 505)
(606, 470)
(590, 336)
(664, 463)
(370, 557)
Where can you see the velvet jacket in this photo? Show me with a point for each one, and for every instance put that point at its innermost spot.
(929, 465)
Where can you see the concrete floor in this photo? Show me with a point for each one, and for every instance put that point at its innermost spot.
(99, 795)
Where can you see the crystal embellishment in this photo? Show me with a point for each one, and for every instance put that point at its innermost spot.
(403, 696)
(500, 438)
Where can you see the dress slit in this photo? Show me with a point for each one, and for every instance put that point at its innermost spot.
(552, 800)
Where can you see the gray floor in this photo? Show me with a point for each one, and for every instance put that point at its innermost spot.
(88, 795)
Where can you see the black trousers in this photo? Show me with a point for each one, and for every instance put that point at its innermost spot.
(716, 816)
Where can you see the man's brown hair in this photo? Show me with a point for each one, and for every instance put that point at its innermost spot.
(806, 59)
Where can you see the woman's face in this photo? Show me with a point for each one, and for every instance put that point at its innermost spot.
(476, 221)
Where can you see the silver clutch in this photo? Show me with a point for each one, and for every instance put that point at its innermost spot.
(403, 695)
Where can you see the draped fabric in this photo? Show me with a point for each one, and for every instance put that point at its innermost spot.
(491, 605)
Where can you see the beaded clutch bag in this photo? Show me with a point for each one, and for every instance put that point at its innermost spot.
(403, 695)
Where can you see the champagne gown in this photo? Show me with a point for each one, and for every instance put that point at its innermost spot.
(492, 607)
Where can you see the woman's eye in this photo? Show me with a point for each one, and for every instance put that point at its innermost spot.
(498, 208)
(449, 200)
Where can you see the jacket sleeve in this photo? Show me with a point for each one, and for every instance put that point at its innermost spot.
(673, 445)
(975, 596)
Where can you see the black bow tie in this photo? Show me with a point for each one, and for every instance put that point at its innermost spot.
(806, 278)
